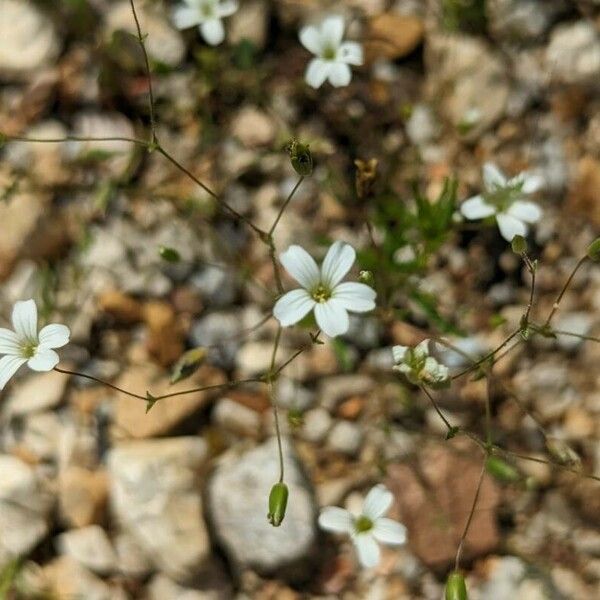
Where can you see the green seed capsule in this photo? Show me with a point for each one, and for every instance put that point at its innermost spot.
(501, 470)
(456, 588)
(277, 503)
(301, 158)
(169, 254)
(593, 250)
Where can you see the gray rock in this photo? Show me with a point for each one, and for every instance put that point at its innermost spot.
(516, 20)
(155, 496)
(39, 433)
(29, 40)
(237, 503)
(333, 390)
(291, 395)
(89, 546)
(578, 323)
(315, 425)
(345, 437)
(24, 509)
(163, 42)
(218, 286)
(364, 331)
(218, 330)
(255, 358)
(573, 55)
(459, 67)
(237, 418)
(163, 588)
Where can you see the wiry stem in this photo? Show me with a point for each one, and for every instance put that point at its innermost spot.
(565, 287)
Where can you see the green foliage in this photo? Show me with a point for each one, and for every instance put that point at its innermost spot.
(464, 15)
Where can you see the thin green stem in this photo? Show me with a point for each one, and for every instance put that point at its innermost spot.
(437, 408)
(285, 204)
(274, 403)
(565, 287)
(101, 381)
(75, 138)
(153, 140)
(469, 520)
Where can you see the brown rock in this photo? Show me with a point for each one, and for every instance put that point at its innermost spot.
(583, 196)
(122, 307)
(82, 496)
(130, 413)
(393, 36)
(165, 339)
(434, 498)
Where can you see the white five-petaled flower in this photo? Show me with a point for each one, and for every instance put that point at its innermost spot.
(418, 366)
(333, 56)
(26, 345)
(369, 527)
(208, 14)
(504, 199)
(321, 289)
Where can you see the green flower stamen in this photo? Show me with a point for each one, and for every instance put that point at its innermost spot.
(363, 524)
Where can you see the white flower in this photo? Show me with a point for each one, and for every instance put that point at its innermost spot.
(418, 366)
(26, 345)
(503, 198)
(321, 289)
(208, 14)
(369, 527)
(332, 54)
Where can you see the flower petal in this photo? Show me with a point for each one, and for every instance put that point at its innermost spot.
(226, 8)
(333, 518)
(301, 266)
(8, 367)
(529, 212)
(510, 226)
(339, 74)
(185, 16)
(293, 307)
(477, 208)
(310, 38)
(493, 178)
(351, 53)
(9, 342)
(532, 182)
(317, 72)
(24, 320)
(213, 31)
(332, 30)
(367, 549)
(54, 336)
(355, 297)
(332, 318)
(399, 353)
(422, 349)
(388, 531)
(43, 360)
(339, 259)
(377, 502)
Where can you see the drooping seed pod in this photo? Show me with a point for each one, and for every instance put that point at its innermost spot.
(277, 503)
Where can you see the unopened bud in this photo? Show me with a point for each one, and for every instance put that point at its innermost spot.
(300, 157)
(169, 254)
(188, 364)
(456, 588)
(519, 245)
(593, 250)
(367, 278)
(501, 470)
(563, 453)
(277, 503)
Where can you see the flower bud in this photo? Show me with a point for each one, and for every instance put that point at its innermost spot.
(300, 157)
(501, 470)
(169, 254)
(456, 588)
(188, 364)
(562, 452)
(277, 503)
(519, 244)
(367, 278)
(593, 250)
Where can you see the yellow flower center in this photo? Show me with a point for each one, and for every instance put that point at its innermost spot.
(362, 524)
(321, 294)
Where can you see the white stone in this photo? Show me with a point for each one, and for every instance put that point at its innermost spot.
(89, 546)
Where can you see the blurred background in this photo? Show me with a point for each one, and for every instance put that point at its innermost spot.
(99, 500)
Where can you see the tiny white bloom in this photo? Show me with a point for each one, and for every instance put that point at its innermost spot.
(418, 366)
(321, 289)
(369, 527)
(26, 345)
(504, 199)
(333, 56)
(207, 14)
